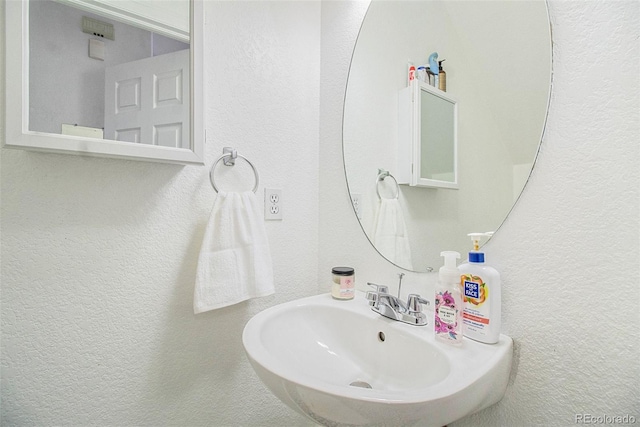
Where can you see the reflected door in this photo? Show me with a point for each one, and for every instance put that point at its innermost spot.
(148, 101)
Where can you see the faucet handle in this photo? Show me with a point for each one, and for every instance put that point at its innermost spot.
(382, 289)
(414, 303)
(372, 297)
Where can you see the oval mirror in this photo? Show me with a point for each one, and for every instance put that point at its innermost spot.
(497, 61)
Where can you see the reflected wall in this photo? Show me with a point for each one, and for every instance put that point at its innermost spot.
(66, 85)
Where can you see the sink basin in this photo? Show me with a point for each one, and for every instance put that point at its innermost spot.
(339, 363)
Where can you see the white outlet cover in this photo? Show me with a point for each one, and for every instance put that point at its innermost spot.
(272, 204)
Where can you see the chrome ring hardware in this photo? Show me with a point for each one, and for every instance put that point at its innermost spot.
(229, 159)
(382, 174)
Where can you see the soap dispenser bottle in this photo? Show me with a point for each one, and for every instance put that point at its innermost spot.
(482, 297)
(448, 301)
(442, 77)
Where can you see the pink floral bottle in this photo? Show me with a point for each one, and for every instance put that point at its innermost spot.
(448, 301)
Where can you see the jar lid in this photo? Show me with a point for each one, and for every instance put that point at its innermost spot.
(343, 271)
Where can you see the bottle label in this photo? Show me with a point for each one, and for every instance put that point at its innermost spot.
(471, 289)
(475, 290)
(347, 288)
(447, 315)
(476, 312)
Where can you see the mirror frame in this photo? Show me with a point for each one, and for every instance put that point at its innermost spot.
(18, 135)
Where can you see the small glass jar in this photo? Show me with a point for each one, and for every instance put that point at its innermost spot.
(343, 285)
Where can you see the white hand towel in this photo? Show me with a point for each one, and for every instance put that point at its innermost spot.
(390, 233)
(235, 262)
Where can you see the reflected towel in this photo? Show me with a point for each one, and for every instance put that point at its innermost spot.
(235, 262)
(390, 233)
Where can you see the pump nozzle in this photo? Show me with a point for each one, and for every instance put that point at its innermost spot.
(475, 238)
(449, 272)
(450, 258)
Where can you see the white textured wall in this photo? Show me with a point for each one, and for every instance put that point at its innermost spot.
(99, 255)
(569, 252)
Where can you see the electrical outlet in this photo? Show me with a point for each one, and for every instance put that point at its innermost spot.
(272, 204)
(356, 200)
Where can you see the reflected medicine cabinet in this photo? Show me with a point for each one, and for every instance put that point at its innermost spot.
(427, 137)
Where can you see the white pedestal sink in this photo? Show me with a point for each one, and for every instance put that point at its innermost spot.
(341, 364)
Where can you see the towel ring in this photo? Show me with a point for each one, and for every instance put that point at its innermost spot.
(229, 159)
(382, 174)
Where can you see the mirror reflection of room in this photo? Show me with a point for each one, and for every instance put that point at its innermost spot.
(80, 62)
(498, 69)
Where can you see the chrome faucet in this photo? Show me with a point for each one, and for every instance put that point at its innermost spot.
(393, 308)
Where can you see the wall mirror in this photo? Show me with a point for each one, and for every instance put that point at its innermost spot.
(105, 78)
(498, 67)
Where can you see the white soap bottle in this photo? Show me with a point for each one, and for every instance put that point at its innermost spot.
(448, 301)
(482, 296)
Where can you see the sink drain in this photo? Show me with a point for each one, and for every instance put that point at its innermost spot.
(361, 384)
